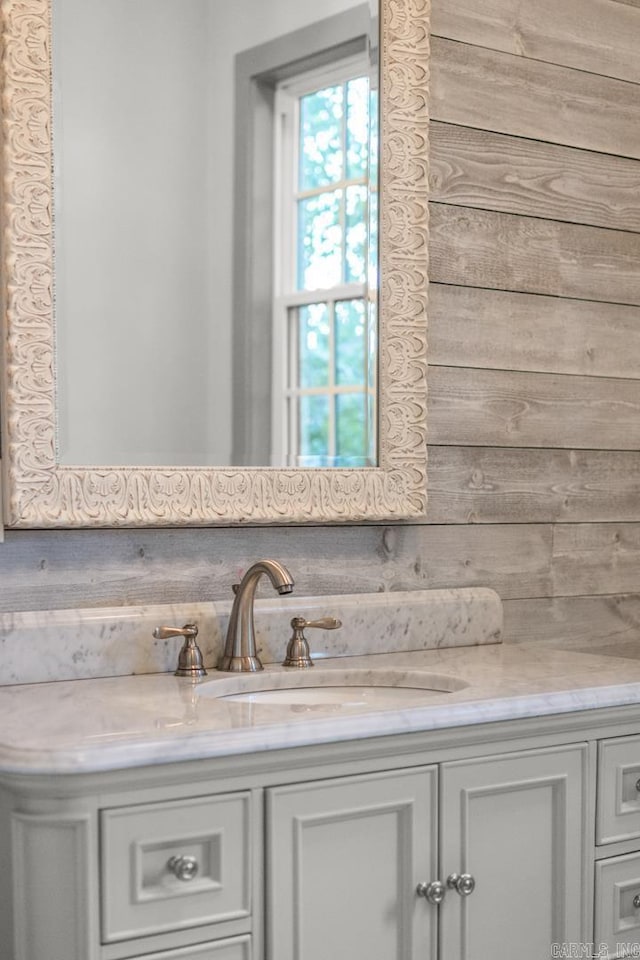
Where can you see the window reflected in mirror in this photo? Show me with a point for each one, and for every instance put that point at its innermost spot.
(324, 305)
(214, 233)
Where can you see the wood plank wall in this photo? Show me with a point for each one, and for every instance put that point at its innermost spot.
(534, 467)
(535, 301)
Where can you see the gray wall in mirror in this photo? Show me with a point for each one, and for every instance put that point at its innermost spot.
(162, 357)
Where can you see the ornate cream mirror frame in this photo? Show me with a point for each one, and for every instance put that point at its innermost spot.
(39, 492)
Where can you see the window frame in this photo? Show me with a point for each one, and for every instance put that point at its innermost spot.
(288, 297)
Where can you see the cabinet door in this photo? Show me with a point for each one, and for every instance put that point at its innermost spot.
(517, 824)
(235, 948)
(344, 858)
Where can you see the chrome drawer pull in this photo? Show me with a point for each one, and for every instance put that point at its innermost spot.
(463, 883)
(636, 901)
(184, 868)
(638, 786)
(433, 892)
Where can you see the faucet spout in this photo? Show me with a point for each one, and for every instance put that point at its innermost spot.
(240, 655)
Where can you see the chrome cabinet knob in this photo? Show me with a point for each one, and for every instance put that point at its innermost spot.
(434, 892)
(184, 868)
(462, 883)
(636, 901)
(638, 786)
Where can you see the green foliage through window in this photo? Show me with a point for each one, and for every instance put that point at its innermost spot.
(332, 377)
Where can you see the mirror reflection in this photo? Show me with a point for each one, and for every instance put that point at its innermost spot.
(215, 185)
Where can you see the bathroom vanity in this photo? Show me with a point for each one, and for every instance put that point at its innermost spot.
(481, 816)
(155, 817)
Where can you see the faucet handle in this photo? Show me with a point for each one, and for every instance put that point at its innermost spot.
(298, 654)
(190, 657)
(163, 633)
(325, 623)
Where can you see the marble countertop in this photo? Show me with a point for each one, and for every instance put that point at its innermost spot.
(82, 726)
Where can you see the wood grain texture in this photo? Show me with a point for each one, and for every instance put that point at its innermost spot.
(52, 569)
(573, 620)
(501, 408)
(58, 569)
(600, 36)
(482, 248)
(497, 329)
(514, 559)
(491, 90)
(595, 558)
(477, 168)
(489, 485)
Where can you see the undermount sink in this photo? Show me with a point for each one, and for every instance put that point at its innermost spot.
(343, 689)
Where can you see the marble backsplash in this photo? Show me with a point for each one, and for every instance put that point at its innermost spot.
(117, 641)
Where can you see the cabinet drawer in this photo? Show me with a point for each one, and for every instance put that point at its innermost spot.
(147, 884)
(618, 793)
(617, 921)
(236, 948)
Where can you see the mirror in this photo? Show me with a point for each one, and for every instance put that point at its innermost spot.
(194, 329)
(196, 141)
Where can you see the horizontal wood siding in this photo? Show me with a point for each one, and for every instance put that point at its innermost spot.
(534, 347)
(587, 34)
(501, 330)
(502, 485)
(491, 171)
(490, 90)
(56, 569)
(535, 306)
(505, 408)
(591, 558)
(532, 255)
(575, 621)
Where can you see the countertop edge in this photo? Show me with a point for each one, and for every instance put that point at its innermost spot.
(266, 739)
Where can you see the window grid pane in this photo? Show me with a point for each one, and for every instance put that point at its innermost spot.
(355, 235)
(357, 128)
(313, 440)
(351, 422)
(320, 241)
(314, 346)
(329, 394)
(321, 146)
(351, 343)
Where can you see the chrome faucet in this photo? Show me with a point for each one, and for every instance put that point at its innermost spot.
(240, 648)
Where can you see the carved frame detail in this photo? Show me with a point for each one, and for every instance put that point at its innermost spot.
(39, 492)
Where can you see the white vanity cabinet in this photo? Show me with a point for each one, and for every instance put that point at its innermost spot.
(309, 853)
(617, 915)
(346, 856)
